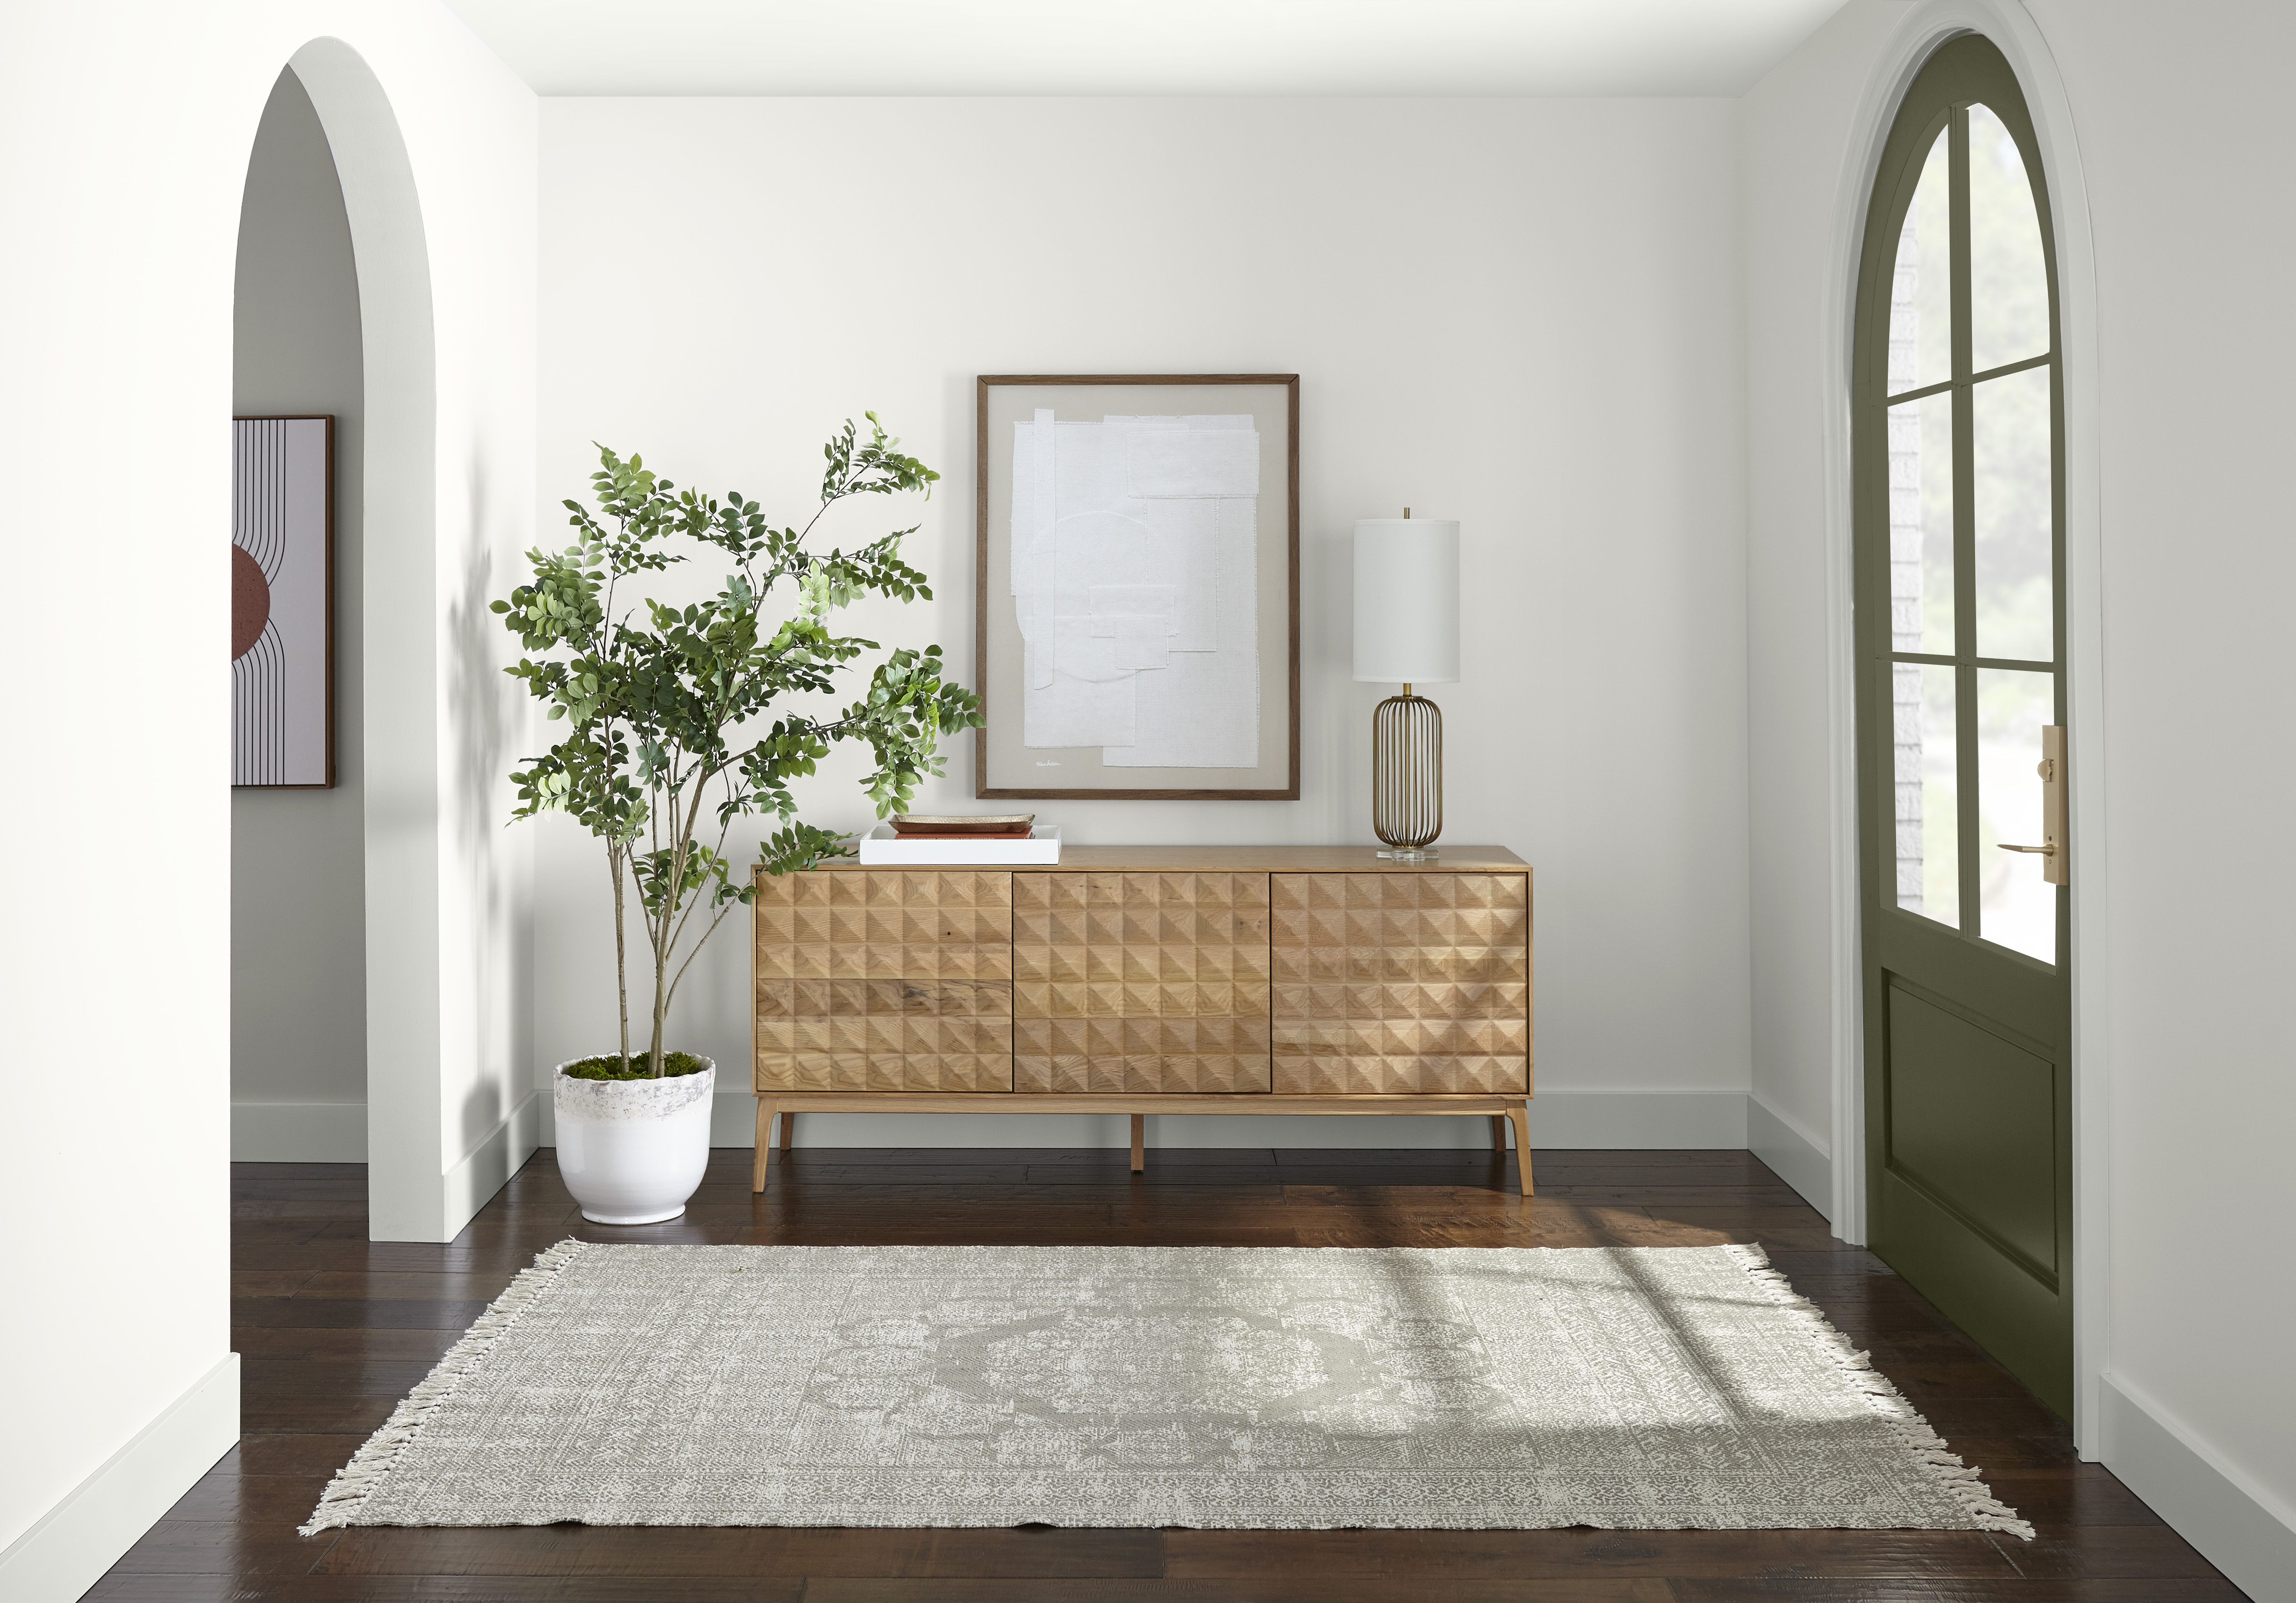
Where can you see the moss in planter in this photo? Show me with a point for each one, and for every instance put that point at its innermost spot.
(609, 1066)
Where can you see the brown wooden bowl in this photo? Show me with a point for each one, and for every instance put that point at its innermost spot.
(932, 824)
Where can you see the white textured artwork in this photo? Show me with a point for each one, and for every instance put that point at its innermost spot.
(1135, 576)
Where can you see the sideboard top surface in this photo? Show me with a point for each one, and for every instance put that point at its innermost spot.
(1238, 859)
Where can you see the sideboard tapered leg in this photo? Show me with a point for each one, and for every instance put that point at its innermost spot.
(789, 1129)
(1498, 1132)
(764, 1158)
(1139, 1143)
(1519, 1114)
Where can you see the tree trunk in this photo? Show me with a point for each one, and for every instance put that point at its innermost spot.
(660, 995)
(621, 960)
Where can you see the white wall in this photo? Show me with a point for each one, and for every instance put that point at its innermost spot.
(1520, 314)
(297, 885)
(115, 312)
(1795, 131)
(2186, 147)
(2182, 141)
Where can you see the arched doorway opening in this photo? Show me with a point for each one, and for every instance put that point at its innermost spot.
(2054, 149)
(379, 830)
(298, 888)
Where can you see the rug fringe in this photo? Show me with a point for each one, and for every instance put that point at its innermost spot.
(1964, 1484)
(345, 1495)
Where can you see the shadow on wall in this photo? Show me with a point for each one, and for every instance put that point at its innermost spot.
(481, 758)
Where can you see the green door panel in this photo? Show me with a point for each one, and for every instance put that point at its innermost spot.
(2001, 1307)
(1968, 1116)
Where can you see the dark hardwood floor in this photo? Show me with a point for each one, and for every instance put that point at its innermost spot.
(333, 1329)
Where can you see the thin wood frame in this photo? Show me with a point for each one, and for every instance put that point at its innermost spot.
(982, 589)
(328, 419)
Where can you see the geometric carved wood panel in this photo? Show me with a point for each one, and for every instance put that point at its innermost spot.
(1140, 982)
(885, 980)
(1398, 982)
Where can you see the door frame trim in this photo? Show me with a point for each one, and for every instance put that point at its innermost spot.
(1909, 44)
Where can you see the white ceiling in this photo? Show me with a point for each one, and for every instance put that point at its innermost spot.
(1545, 47)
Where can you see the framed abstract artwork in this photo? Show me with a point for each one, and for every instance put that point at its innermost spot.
(1138, 587)
(283, 602)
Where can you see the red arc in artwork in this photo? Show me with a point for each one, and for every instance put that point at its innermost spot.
(250, 602)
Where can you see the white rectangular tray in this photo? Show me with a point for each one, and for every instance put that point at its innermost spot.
(884, 845)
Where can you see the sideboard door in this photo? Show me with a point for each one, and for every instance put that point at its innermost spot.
(885, 980)
(1140, 982)
(1391, 982)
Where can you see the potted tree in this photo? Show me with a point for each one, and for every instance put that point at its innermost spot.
(673, 736)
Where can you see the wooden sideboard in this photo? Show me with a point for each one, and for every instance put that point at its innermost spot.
(1149, 978)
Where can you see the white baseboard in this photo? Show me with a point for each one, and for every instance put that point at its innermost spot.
(299, 1132)
(70, 1546)
(472, 1183)
(2236, 1524)
(1798, 1157)
(1558, 1119)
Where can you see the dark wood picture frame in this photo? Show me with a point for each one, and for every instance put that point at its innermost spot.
(983, 588)
(328, 626)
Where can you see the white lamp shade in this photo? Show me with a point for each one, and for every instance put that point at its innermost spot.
(1407, 601)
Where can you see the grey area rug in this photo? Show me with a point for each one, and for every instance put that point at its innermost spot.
(1625, 1387)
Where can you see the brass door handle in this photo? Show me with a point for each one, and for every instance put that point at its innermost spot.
(2052, 771)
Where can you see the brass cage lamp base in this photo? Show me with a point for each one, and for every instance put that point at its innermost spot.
(1406, 775)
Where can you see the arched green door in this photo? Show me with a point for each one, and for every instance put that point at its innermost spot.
(1959, 497)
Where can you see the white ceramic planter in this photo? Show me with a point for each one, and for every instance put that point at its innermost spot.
(633, 1150)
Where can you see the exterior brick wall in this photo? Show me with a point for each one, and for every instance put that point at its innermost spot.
(1905, 438)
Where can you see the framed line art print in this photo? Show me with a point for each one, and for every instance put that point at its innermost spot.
(282, 603)
(1138, 587)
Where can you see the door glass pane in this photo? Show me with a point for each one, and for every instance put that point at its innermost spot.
(2012, 501)
(1921, 293)
(1928, 858)
(1920, 526)
(2018, 908)
(2008, 277)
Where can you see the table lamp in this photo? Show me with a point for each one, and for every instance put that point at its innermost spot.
(1408, 633)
